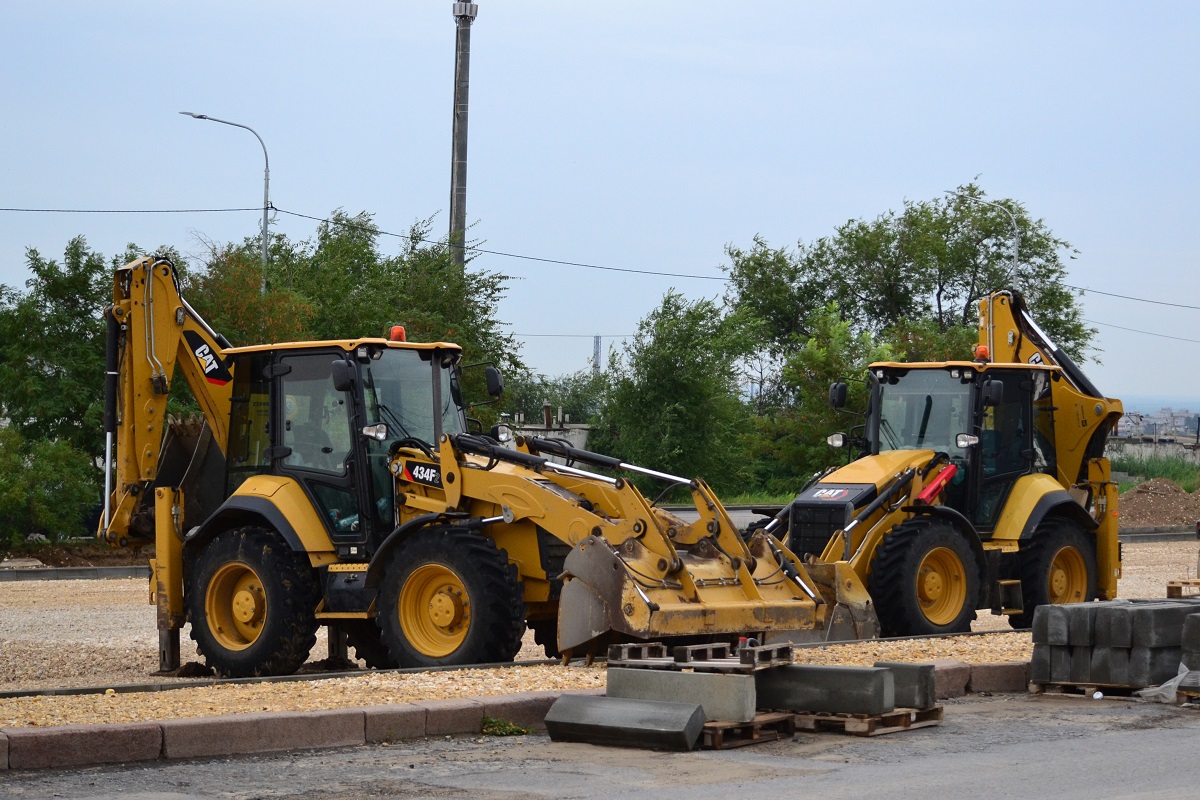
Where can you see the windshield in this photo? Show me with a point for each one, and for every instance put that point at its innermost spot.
(398, 390)
(922, 409)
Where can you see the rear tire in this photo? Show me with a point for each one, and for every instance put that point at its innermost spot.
(1058, 565)
(448, 598)
(252, 604)
(924, 579)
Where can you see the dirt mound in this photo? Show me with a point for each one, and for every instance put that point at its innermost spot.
(91, 554)
(1158, 502)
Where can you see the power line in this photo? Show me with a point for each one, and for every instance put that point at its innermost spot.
(1126, 297)
(126, 210)
(1146, 333)
(576, 335)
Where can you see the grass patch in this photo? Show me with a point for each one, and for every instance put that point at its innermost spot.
(500, 727)
(1179, 470)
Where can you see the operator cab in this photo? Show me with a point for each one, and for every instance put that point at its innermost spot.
(995, 423)
(330, 414)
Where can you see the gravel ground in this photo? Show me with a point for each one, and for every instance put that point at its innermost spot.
(102, 633)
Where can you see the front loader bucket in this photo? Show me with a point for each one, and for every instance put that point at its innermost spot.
(848, 613)
(627, 592)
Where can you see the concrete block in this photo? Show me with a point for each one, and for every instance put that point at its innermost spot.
(1159, 624)
(1081, 663)
(1058, 623)
(915, 684)
(3, 752)
(1039, 667)
(262, 733)
(1150, 666)
(1004, 676)
(619, 721)
(82, 745)
(392, 723)
(1060, 663)
(1102, 665)
(1039, 629)
(447, 717)
(1081, 620)
(849, 690)
(951, 678)
(723, 697)
(1118, 666)
(1113, 625)
(525, 708)
(1190, 635)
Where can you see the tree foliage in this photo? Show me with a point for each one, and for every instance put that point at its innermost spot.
(46, 487)
(674, 404)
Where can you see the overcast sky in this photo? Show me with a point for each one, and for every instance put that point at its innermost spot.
(624, 134)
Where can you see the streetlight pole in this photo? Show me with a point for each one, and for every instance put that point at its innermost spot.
(266, 183)
(464, 15)
(1011, 216)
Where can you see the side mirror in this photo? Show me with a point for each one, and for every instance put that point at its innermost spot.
(495, 382)
(837, 395)
(993, 393)
(344, 375)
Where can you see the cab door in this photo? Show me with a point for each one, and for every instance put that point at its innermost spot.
(317, 443)
(1005, 450)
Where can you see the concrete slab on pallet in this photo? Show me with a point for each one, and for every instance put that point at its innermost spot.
(262, 733)
(915, 684)
(1150, 666)
(82, 745)
(951, 678)
(1004, 676)
(3, 752)
(1052, 625)
(837, 690)
(619, 721)
(723, 696)
(1190, 635)
(1159, 624)
(392, 723)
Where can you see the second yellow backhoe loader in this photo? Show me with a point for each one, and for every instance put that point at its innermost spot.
(979, 484)
(339, 483)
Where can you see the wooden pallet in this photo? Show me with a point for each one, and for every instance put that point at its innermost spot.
(902, 719)
(1083, 689)
(767, 726)
(1175, 588)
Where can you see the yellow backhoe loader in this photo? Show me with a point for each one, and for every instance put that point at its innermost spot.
(978, 484)
(340, 483)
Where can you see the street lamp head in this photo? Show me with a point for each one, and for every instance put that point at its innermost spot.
(193, 116)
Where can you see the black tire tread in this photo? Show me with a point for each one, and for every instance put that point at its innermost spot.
(497, 603)
(892, 587)
(1050, 535)
(292, 594)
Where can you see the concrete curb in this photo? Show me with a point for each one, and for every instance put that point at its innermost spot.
(67, 746)
(72, 573)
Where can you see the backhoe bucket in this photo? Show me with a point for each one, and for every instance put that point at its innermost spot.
(626, 592)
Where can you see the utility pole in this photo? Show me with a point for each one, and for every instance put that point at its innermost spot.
(596, 356)
(464, 15)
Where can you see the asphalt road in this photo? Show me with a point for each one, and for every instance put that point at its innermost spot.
(987, 747)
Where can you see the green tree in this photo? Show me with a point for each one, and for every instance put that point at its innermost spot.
(46, 487)
(674, 404)
(581, 395)
(52, 348)
(917, 270)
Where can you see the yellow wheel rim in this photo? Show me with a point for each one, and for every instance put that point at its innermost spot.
(1067, 581)
(236, 606)
(941, 586)
(434, 610)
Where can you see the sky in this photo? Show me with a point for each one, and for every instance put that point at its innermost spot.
(625, 135)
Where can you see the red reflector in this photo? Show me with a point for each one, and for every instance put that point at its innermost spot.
(397, 334)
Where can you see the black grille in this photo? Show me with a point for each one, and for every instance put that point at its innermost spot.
(811, 526)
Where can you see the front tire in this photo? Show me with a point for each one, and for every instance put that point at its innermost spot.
(924, 580)
(252, 604)
(1058, 565)
(449, 598)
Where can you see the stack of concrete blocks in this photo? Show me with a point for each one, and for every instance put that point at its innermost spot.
(1121, 643)
(666, 709)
